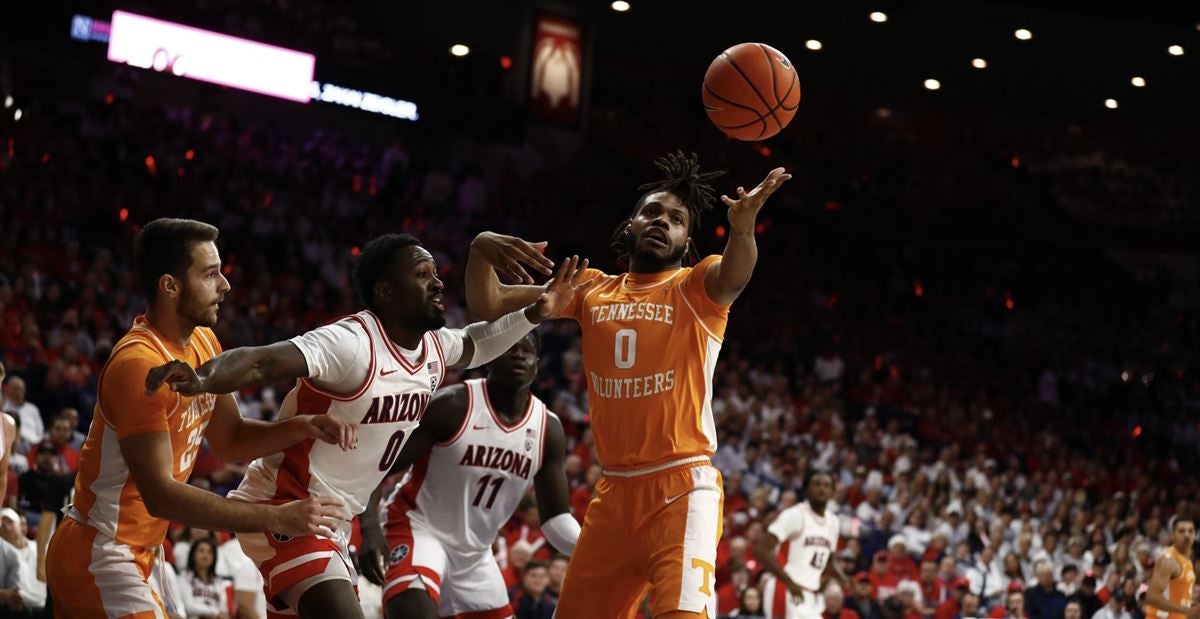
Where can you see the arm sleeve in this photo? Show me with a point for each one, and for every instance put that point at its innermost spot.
(694, 288)
(787, 526)
(452, 344)
(338, 355)
(574, 309)
(126, 406)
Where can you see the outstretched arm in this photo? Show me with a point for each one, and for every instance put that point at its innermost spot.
(443, 418)
(231, 370)
(236, 439)
(484, 341)
(1165, 569)
(550, 485)
(487, 297)
(725, 280)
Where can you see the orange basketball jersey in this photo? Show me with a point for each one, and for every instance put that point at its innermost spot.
(106, 497)
(650, 344)
(1179, 590)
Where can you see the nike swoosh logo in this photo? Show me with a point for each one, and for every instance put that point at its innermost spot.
(672, 499)
(387, 372)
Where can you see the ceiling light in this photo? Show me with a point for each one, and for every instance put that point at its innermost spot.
(1175, 50)
(979, 63)
(1023, 34)
(813, 44)
(620, 6)
(1138, 81)
(460, 50)
(932, 84)
(878, 17)
(1110, 104)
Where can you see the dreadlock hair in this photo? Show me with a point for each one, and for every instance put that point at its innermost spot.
(682, 177)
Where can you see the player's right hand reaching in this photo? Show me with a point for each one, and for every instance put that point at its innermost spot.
(560, 290)
(507, 254)
(311, 516)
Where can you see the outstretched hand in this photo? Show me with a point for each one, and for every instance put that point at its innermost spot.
(560, 290)
(510, 255)
(744, 210)
(177, 375)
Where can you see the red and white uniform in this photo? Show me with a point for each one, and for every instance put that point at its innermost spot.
(444, 515)
(807, 542)
(361, 376)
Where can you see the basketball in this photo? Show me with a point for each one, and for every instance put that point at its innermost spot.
(751, 91)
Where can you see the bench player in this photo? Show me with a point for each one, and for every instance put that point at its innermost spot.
(378, 368)
(480, 447)
(809, 534)
(650, 343)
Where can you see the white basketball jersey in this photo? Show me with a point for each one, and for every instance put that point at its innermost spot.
(807, 542)
(388, 407)
(465, 490)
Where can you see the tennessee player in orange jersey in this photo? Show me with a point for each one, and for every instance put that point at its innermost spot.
(142, 446)
(650, 343)
(1169, 592)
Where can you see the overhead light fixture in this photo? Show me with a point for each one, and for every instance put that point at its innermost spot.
(979, 63)
(878, 17)
(813, 44)
(932, 84)
(17, 114)
(460, 50)
(620, 6)
(1023, 34)
(1138, 81)
(1175, 50)
(1110, 104)
(8, 101)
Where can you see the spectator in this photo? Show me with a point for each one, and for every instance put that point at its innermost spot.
(531, 600)
(729, 594)
(66, 457)
(1114, 609)
(883, 581)
(13, 530)
(77, 437)
(519, 555)
(1013, 608)
(33, 429)
(1089, 602)
(1073, 611)
(11, 602)
(970, 607)
(835, 604)
(1044, 600)
(204, 593)
(986, 581)
(932, 591)
(952, 607)
(43, 488)
(1069, 579)
(181, 551)
(900, 564)
(749, 607)
(249, 600)
(906, 603)
(557, 572)
(863, 600)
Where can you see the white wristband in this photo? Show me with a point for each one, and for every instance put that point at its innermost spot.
(494, 338)
(562, 531)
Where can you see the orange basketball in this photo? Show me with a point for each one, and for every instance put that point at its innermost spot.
(751, 91)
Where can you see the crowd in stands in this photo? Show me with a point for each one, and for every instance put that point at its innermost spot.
(1002, 423)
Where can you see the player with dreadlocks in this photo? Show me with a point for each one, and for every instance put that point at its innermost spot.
(650, 342)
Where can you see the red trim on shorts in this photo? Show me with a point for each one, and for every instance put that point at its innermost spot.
(496, 613)
(779, 606)
(291, 549)
(341, 397)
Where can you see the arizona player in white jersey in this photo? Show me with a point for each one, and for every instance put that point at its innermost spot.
(378, 368)
(809, 535)
(480, 447)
